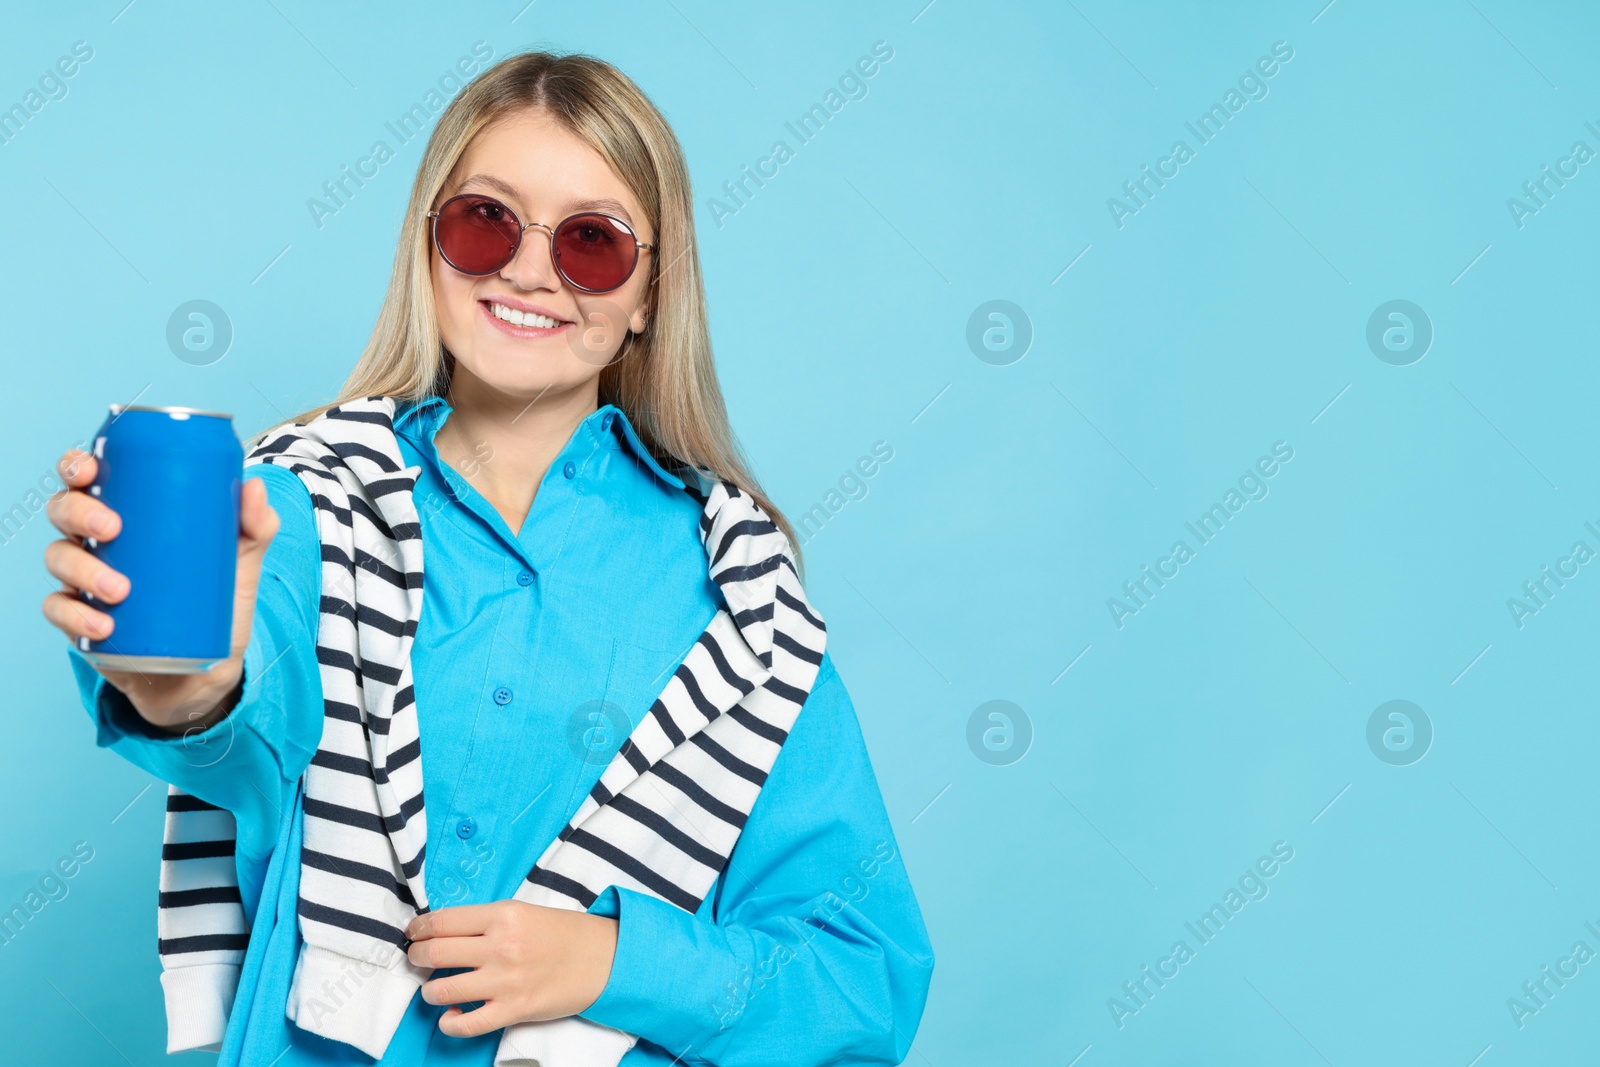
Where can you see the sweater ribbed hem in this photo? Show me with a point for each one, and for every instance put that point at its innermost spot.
(346, 999)
(198, 999)
(568, 1042)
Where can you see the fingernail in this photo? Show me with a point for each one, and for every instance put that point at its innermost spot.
(111, 584)
(98, 524)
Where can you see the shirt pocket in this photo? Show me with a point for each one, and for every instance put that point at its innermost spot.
(596, 728)
(640, 670)
(641, 665)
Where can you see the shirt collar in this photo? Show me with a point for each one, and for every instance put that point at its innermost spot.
(607, 426)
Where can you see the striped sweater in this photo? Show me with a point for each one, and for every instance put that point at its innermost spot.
(662, 819)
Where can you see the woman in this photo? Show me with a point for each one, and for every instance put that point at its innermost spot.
(550, 379)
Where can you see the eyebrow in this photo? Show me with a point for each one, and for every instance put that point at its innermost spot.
(603, 203)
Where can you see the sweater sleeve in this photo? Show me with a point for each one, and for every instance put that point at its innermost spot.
(811, 950)
(248, 762)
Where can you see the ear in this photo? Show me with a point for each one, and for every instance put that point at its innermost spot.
(639, 321)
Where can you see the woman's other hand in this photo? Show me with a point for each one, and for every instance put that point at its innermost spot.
(529, 963)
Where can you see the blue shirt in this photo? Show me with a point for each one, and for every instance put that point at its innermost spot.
(809, 948)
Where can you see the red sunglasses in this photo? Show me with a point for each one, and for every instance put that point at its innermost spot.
(479, 235)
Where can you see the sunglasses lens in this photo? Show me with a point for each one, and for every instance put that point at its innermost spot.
(477, 234)
(594, 252)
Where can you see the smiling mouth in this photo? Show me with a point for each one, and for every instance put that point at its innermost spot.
(521, 320)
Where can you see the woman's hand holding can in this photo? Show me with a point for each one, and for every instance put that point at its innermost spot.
(175, 702)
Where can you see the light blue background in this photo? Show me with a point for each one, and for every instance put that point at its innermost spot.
(1223, 317)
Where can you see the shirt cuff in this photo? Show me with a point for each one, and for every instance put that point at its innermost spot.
(674, 977)
(116, 718)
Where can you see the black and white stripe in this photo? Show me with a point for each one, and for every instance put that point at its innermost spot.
(662, 819)
(201, 920)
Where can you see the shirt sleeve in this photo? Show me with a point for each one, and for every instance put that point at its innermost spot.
(812, 949)
(249, 761)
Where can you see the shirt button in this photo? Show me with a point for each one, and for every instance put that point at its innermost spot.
(525, 578)
(569, 470)
(502, 695)
(466, 828)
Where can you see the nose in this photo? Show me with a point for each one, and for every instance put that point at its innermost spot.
(533, 267)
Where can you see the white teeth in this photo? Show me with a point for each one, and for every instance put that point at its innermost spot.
(521, 318)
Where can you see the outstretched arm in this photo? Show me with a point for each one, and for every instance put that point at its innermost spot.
(249, 760)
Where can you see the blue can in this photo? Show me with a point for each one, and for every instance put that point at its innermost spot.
(174, 475)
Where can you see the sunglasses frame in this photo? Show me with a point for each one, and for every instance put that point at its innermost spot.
(523, 227)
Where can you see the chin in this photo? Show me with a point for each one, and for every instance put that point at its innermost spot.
(519, 375)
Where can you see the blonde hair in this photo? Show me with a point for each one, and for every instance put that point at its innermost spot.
(663, 379)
